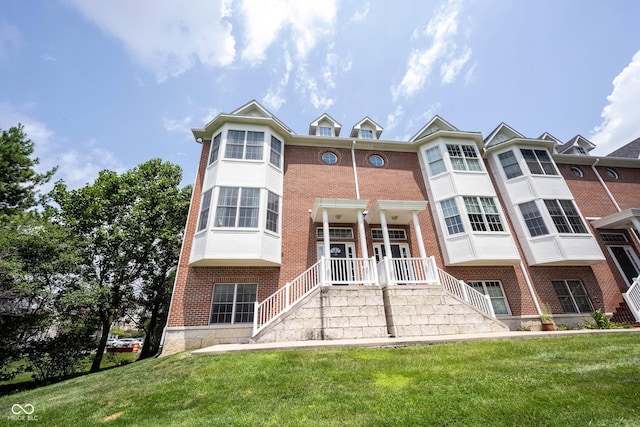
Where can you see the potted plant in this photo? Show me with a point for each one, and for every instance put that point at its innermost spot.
(546, 318)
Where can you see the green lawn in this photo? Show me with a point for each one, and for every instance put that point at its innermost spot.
(586, 380)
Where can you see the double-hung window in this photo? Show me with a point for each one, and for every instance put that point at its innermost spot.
(533, 219)
(238, 207)
(539, 162)
(366, 134)
(464, 157)
(215, 148)
(565, 216)
(233, 303)
(510, 164)
(483, 214)
(273, 205)
(572, 296)
(434, 158)
(324, 131)
(493, 288)
(276, 151)
(451, 216)
(205, 206)
(244, 145)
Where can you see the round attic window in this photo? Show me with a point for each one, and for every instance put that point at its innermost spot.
(330, 158)
(612, 173)
(376, 161)
(577, 172)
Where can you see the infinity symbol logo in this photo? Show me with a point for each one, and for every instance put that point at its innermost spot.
(27, 409)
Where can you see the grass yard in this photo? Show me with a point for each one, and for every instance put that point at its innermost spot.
(586, 380)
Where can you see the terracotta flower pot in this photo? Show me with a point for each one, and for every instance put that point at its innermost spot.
(548, 327)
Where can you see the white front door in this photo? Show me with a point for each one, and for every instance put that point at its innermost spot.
(342, 269)
(401, 264)
(627, 262)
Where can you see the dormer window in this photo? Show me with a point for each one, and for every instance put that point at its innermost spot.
(581, 151)
(366, 134)
(324, 131)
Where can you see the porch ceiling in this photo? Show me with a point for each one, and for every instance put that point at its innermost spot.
(618, 220)
(340, 210)
(395, 211)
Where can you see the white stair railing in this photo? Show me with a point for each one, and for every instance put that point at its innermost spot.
(466, 293)
(281, 300)
(337, 271)
(632, 297)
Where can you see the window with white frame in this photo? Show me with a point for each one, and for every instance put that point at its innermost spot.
(366, 134)
(613, 237)
(205, 206)
(215, 148)
(539, 162)
(464, 157)
(233, 303)
(273, 209)
(336, 233)
(451, 216)
(565, 216)
(434, 159)
(533, 219)
(493, 288)
(483, 214)
(276, 151)
(238, 207)
(510, 164)
(394, 234)
(572, 296)
(246, 145)
(324, 131)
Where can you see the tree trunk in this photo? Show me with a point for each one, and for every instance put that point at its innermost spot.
(106, 326)
(149, 347)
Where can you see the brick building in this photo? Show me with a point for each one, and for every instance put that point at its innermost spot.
(448, 232)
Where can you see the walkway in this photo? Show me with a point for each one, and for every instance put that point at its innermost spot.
(400, 342)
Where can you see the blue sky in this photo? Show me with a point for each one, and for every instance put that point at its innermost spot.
(110, 84)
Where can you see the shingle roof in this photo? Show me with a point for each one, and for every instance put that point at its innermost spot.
(631, 150)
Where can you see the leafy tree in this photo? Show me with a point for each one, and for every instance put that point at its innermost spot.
(18, 179)
(30, 267)
(125, 226)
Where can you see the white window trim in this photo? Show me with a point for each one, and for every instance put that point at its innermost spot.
(573, 300)
(464, 157)
(504, 296)
(233, 311)
(238, 207)
(244, 145)
(402, 231)
(484, 214)
(320, 233)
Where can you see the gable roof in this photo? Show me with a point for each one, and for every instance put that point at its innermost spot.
(579, 141)
(337, 127)
(630, 150)
(502, 133)
(251, 112)
(356, 129)
(435, 124)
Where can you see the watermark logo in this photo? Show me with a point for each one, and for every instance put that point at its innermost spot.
(23, 412)
(18, 409)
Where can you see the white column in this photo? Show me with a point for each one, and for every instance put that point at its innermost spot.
(326, 246)
(636, 225)
(363, 236)
(416, 227)
(385, 234)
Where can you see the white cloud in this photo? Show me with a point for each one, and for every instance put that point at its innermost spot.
(359, 15)
(621, 116)
(309, 89)
(394, 118)
(166, 37)
(273, 100)
(264, 20)
(10, 38)
(450, 70)
(178, 125)
(74, 167)
(441, 29)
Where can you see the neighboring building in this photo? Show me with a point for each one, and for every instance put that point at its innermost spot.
(352, 237)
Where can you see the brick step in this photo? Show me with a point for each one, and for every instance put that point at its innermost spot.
(623, 314)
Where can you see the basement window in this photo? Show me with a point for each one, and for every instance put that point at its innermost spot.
(233, 303)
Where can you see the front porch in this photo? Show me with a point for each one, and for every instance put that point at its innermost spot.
(359, 298)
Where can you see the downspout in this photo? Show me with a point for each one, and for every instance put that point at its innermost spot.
(606, 189)
(530, 286)
(355, 171)
(613, 200)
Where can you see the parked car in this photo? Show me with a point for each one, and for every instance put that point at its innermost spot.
(126, 343)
